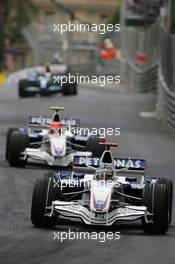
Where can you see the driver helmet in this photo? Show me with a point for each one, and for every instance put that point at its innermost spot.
(47, 67)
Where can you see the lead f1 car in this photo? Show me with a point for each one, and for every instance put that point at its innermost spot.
(111, 190)
(50, 140)
(47, 82)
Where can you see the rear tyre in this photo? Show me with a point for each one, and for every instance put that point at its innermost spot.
(94, 146)
(9, 133)
(44, 193)
(22, 88)
(169, 185)
(155, 198)
(17, 144)
(75, 89)
(67, 89)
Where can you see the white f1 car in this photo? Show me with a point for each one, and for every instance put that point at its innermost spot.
(53, 141)
(104, 191)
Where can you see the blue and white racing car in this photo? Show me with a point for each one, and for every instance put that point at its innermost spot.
(47, 82)
(103, 191)
(52, 141)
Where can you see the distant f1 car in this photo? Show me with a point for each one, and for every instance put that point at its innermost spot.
(43, 83)
(49, 140)
(104, 191)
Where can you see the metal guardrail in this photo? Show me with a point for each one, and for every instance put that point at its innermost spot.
(139, 80)
(166, 103)
(158, 71)
(166, 80)
(139, 49)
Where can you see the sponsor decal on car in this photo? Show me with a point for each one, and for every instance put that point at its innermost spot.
(119, 162)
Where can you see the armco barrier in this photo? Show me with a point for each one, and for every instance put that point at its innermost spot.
(166, 79)
(166, 103)
(139, 50)
(139, 80)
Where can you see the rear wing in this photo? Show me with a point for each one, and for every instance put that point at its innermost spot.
(39, 121)
(47, 121)
(131, 165)
(70, 121)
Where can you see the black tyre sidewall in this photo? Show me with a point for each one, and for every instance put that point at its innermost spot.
(169, 184)
(22, 88)
(9, 133)
(155, 198)
(43, 189)
(17, 144)
(67, 89)
(75, 90)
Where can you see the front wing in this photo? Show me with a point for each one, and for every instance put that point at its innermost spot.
(43, 156)
(70, 210)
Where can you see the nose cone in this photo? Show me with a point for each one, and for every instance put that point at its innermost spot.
(100, 196)
(58, 146)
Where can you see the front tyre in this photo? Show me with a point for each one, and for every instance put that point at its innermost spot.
(44, 193)
(169, 185)
(75, 89)
(9, 133)
(155, 198)
(22, 88)
(67, 89)
(17, 144)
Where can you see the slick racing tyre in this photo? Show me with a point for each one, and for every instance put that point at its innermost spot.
(169, 184)
(67, 89)
(94, 146)
(9, 133)
(44, 193)
(155, 197)
(75, 89)
(23, 85)
(22, 91)
(17, 144)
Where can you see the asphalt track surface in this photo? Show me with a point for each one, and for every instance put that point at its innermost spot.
(20, 242)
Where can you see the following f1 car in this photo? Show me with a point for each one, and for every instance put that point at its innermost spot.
(102, 192)
(53, 141)
(43, 83)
